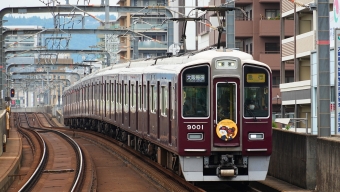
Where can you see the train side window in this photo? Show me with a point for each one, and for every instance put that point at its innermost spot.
(119, 94)
(133, 95)
(174, 99)
(108, 92)
(152, 104)
(144, 97)
(139, 95)
(164, 99)
(92, 98)
(112, 92)
(125, 95)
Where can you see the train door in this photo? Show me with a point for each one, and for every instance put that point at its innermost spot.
(158, 110)
(147, 98)
(226, 110)
(133, 104)
(104, 97)
(164, 128)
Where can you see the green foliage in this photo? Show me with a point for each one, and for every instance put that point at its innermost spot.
(274, 125)
(287, 127)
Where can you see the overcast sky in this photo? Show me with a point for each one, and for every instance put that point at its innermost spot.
(32, 3)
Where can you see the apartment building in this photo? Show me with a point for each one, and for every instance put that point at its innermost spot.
(109, 42)
(150, 37)
(257, 31)
(300, 50)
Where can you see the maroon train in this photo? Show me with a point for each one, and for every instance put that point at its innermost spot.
(205, 115)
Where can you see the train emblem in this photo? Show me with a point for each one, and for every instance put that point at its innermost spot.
(226, 130)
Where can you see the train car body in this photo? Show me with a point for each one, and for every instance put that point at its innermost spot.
(206, 115)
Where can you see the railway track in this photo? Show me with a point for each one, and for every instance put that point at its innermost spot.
(162, 179)
(60, 157)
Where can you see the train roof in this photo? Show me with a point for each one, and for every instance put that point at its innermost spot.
(172, 64)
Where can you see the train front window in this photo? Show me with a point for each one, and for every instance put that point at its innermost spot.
(256, 94)
(226, 101)
(195, 92)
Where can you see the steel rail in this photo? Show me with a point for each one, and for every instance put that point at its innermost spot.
(75, 146)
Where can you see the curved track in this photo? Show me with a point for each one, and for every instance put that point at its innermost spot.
(61, 164)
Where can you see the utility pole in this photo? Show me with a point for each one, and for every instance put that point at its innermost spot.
(323, 49)
(230, 26)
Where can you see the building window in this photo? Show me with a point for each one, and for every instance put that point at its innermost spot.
(289, 79)
(250, 48)
(272, 13)
(239, 44)
(272, 48)
(276, 81)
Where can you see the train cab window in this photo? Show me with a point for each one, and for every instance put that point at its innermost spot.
(195, 92)
(226, 101)
(256, 96)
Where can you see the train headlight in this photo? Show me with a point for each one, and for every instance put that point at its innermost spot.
(226, 64)
(255, 136)
(195, 136)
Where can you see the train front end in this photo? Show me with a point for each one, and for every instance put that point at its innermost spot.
(225, 123)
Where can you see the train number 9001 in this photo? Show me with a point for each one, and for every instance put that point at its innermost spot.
(195, 127)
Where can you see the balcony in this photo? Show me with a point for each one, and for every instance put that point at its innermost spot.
(273, 59)
(122, 47)
(269, 1)
(152, 45)
(244, 2)
(296, 92)
(270, 28)
(243, 28)
(305, 43)
(121, 16)
(153, 27)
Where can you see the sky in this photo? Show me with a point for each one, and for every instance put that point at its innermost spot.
(33, 3)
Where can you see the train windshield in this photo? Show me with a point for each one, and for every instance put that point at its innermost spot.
(256, 95)
(226, 101)
(195, 92)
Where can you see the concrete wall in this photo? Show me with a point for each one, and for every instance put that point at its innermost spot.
(328, 161)
(294, 158)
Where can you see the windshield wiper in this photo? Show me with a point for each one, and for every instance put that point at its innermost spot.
(251, 113)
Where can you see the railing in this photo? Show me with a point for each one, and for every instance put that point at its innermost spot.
(270, 52)
(152, 26)
(151, 44)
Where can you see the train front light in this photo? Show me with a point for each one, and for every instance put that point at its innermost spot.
(195, 136)
(255, 136)
(226, 64)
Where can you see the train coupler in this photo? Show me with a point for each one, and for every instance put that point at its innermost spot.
(226, 172)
